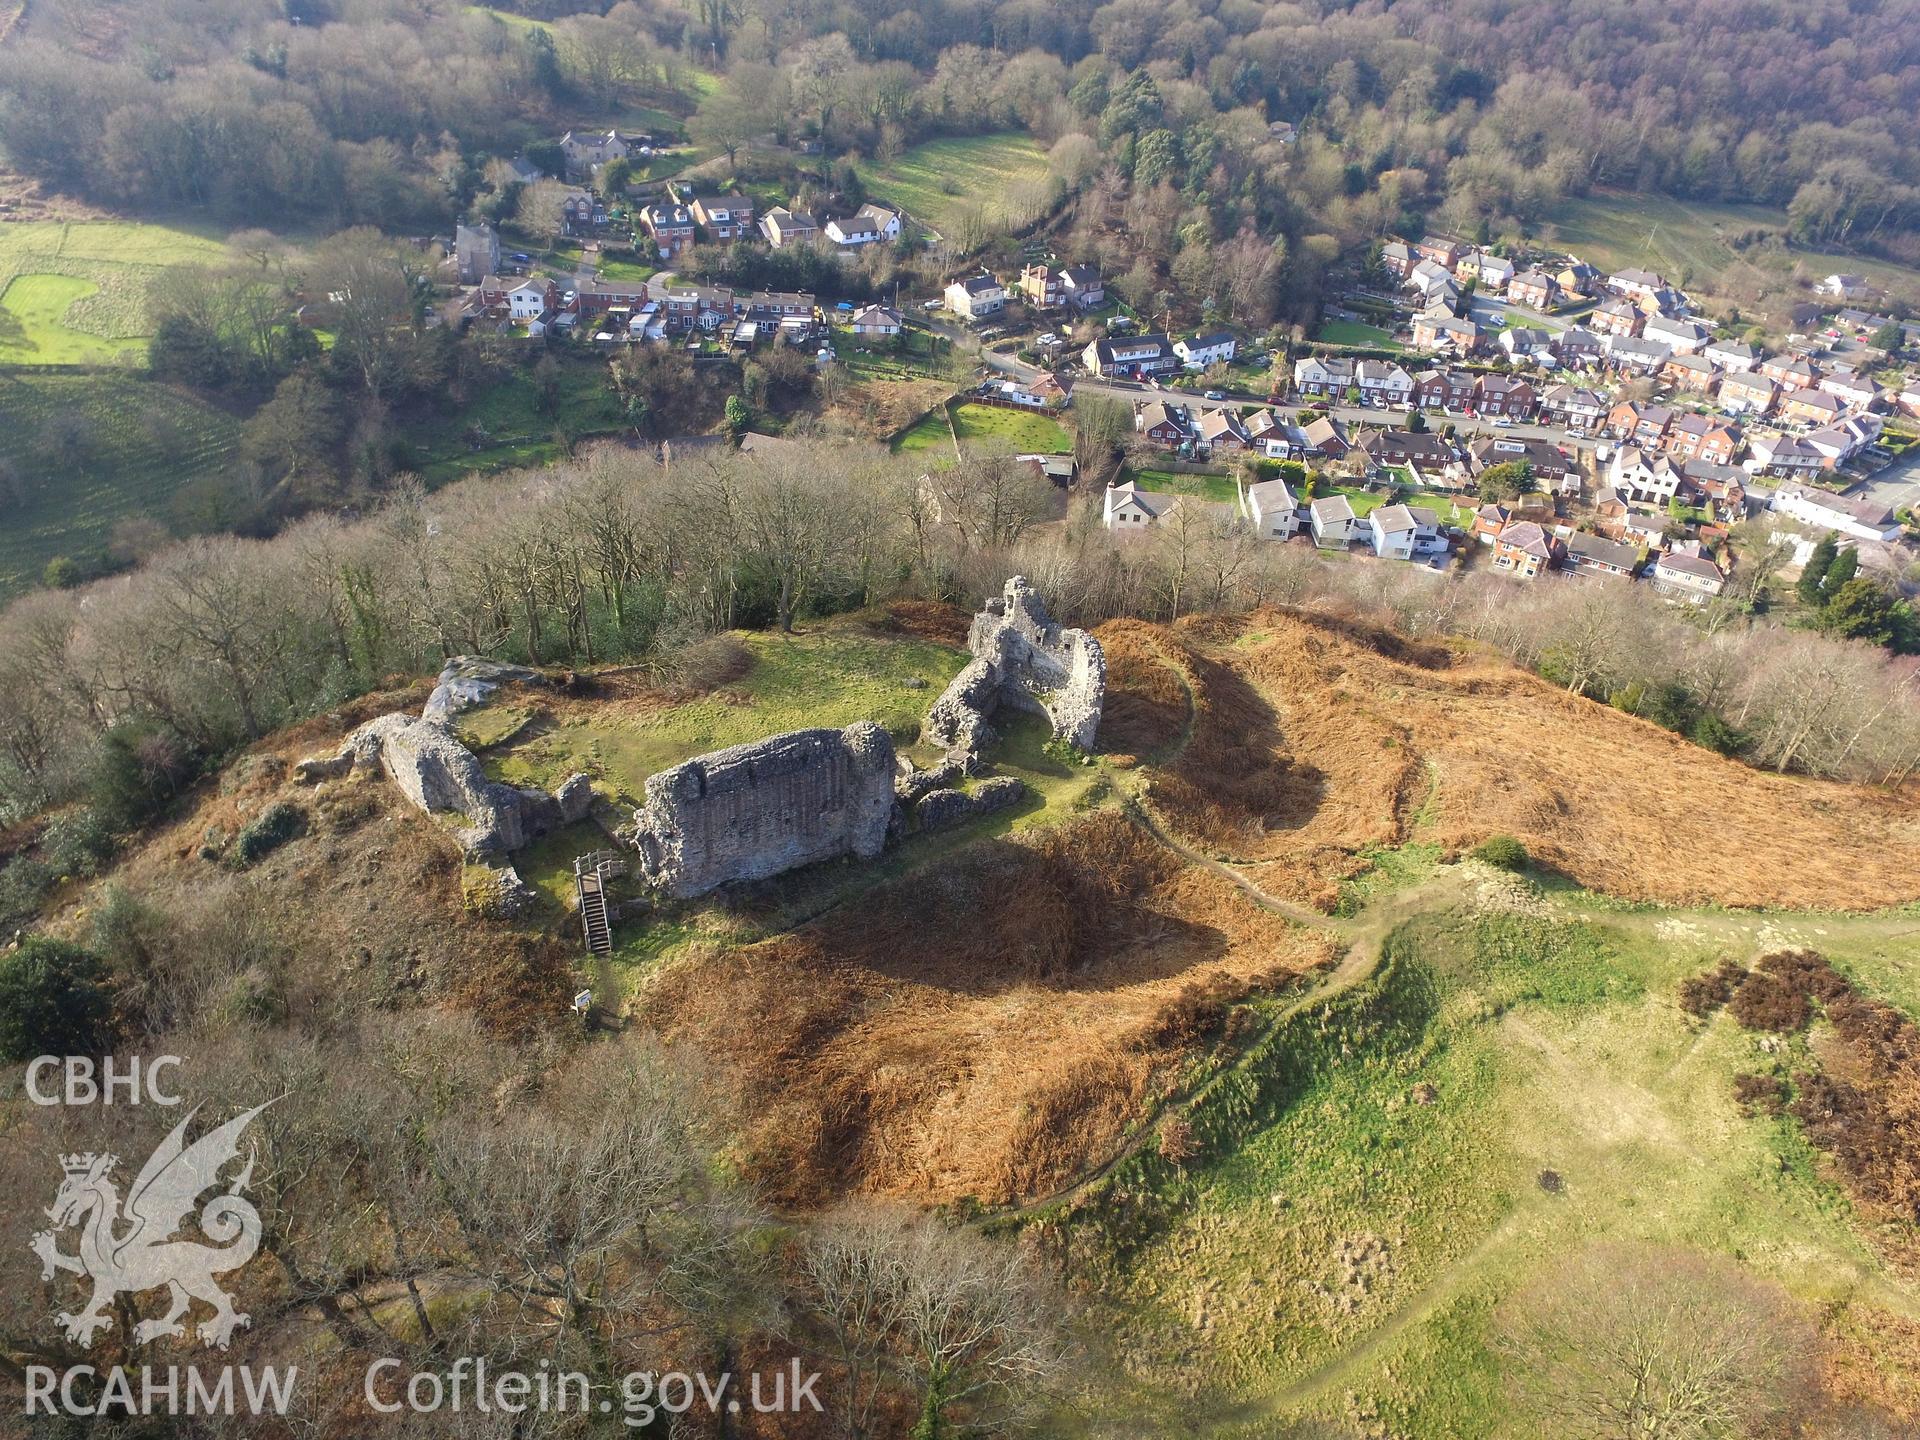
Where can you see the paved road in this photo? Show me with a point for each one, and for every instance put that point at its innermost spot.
(1349, 415)
(1897, 486)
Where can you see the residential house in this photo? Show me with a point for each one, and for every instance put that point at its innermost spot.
(523, 298)
(1910, 398)
(1616, 317)
(1703, 437)
(1722, 488)
(1439, 329)
(1327, 438)
(1534, 289)
(1129, 508)
(1578, 346)
(783, 227)
(1684, 337)
(1644, 477)
(670, 226)
(1383, 383)
(1835, 444)
(1790, 372)
(877, 321)
(1635, 282)
(1489, 520)
(1494, 273)
(1729, 354)
(476, 251)
(1504, 396)
(1165, 425)
(1589, 554)
(1271, 509)
(598, 296)
(588, 150)
(1400, 532)
(1444, 390)
(1577, 277)
(1316, 375)
(1782, 455)
(1405, 447)
(1645, 357)
(869, 225)
(1527, 548)
(1572, 406)
(1427, 276)
(1690, 372)
(1638, 423)
(725, 217)
(1555, 470)
(1397, 259)
(1813, 407)
(1860, 392)
(1646, 529)
(1040, 284)
(1851, 515)
(1213, 347)
(580, 213)
(1262, 424)
(1441, 250)
(1844, 287)
(1117, 355)
(1333, 522)
(1522, 343)
(1082, 288)
(1748, 393)
(1688, 573)
(1221, 433)
(690, 307)
(976, 295)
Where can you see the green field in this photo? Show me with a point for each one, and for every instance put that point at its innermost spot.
(943, 182)
(929, 432)
(1513, 1084)
(77, 293)
(1177, 482)
(1352, 332)
(994, 426)
(92, 450)
(1687, 241)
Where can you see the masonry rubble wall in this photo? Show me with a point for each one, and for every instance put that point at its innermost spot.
(753, 811)
(1022, 659)
(443, 777)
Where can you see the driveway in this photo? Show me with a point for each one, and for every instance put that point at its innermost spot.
(1898, 486)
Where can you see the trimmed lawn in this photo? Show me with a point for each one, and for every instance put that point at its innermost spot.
(1176, 482)
(94, 450)
(1352, 332)
(1025, 432)
(929, 432)
(940, 182)
(1363, 501)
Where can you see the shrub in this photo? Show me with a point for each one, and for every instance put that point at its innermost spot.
(78, 843)
(1503, 852)
(1701, 995)
(24, 883)
(267, 832)
(53, 1001)
(1177, 1143)
(139, 767)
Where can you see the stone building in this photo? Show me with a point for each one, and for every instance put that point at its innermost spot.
(1023, 659)
(756, 810)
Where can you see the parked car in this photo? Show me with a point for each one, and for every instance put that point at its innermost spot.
(932, 304)
(1216, 394)
(1503, 423)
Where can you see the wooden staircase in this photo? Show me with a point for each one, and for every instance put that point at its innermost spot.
(590, 876)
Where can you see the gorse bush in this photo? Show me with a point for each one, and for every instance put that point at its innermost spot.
(1502, 852)
(267, 832)
(53, 1001)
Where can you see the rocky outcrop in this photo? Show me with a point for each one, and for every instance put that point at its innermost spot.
(467, 680)
(1022, 659)
(939, 809)
(753, 811)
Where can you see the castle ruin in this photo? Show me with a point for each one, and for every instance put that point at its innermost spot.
(753, 811)
(1023, 659)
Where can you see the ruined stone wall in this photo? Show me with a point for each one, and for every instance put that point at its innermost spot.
(441, 776)
(1022, 659)
(753, 811)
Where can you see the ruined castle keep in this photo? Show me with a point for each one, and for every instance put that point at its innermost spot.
(1021, 658)
(753, 811)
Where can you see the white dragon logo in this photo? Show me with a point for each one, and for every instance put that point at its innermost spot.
(145, 1255)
